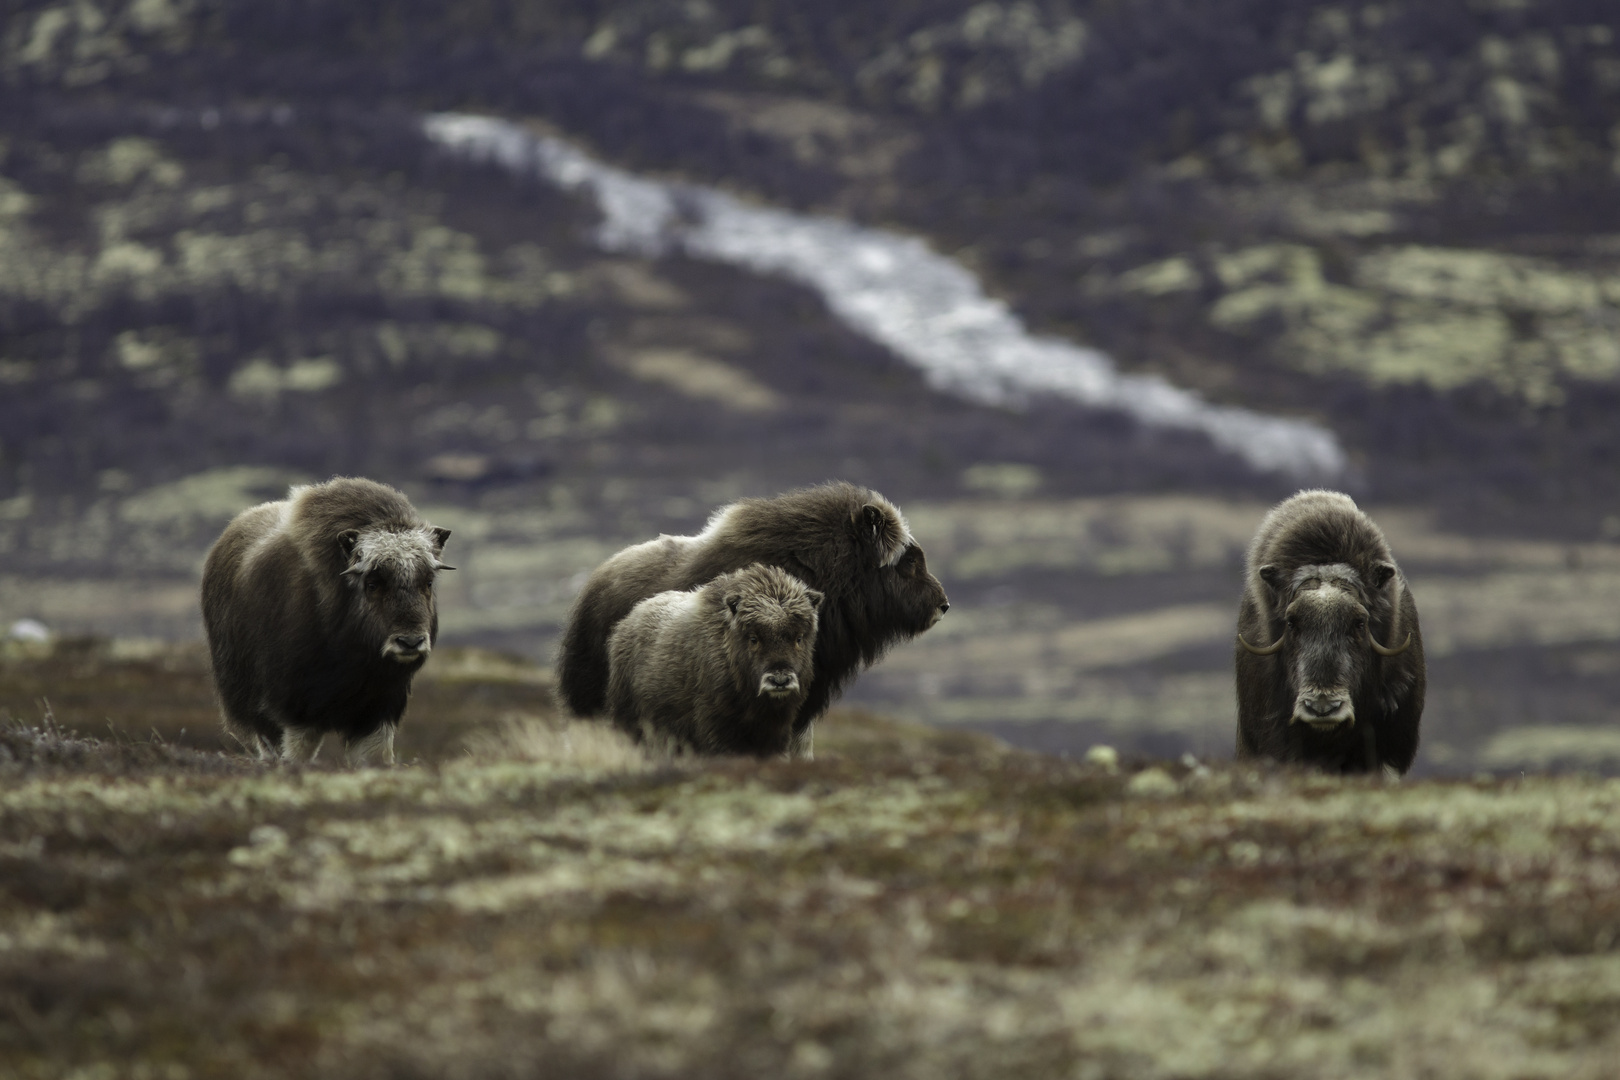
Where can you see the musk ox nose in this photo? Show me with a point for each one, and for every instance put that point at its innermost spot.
(407, 646)
(946, 606)
(779, 682)
(1324, 710)
(1322, 705)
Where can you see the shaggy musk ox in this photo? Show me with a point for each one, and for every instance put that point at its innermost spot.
(1329, 653)
(319, 610)
(846, 542)
(722, 669)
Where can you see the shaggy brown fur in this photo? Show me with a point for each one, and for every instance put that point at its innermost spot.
(847, 542)
(722, 669)
(1321, 580)
(319, 610)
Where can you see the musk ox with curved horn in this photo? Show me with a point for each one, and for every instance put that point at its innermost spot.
(1329, 653)
(721, 669)
(847, 542)
(319, 610)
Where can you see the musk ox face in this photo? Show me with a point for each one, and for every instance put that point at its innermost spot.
(914, 598)
(771, 631)
(390, 576)
(1326, 646)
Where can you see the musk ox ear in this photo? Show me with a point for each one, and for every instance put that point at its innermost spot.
(815, 599)
(1380, 575)
(877, 527)
(347, 539)
(733, 600)
(439, 536)
(1272, 576)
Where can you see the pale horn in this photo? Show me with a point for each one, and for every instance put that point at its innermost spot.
(1382, 651)
(1267, 651)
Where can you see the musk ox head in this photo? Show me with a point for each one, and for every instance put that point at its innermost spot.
(909, 598)
(389, 577)
(912, 598)
(770, 630)
(1326, 645)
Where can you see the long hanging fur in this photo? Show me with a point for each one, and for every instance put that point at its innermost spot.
(319, 610)
(845, 541)
(1312, 537)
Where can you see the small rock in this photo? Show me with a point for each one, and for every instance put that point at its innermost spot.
(1104, 757)
(31, 630)
(1152, 783)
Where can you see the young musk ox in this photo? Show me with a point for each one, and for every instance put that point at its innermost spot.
(722, 669)
(319, 610)
(847, 542)
(1329, 653)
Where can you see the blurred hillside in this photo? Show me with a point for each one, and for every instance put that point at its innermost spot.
(229, 260)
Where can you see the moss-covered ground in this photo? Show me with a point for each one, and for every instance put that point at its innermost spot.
(528, 899)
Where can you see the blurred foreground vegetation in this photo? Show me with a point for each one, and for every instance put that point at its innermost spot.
(534, 897)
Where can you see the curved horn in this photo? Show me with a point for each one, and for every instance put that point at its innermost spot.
(1267, 651)
(1382, 651)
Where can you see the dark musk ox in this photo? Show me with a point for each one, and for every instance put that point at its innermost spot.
(847, 542)
(721, 669)
(1329, 653)
(319, 610)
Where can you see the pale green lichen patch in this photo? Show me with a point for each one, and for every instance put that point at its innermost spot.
(1441, 316)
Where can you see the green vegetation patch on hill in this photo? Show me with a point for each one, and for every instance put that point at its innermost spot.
(910, 903)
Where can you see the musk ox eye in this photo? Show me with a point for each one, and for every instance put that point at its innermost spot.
(753, 639)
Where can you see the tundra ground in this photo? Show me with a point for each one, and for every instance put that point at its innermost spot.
(529, 898)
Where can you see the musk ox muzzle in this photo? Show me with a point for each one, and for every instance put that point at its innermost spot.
(779, 683)
(407, 648)
(1324, 709)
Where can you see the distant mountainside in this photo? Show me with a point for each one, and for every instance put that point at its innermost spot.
(1396, 218)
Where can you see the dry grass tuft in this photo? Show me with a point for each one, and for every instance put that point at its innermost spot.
(585, 745)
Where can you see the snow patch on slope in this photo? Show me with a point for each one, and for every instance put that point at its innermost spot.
(892, 288)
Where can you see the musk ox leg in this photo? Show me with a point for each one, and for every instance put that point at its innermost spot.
(1369, 741)
(300, 744)
(801, 747)
(376, 748)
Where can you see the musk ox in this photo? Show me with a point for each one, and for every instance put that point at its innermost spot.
(1329, 653)
(721, 669)
(847, 542)
(319, 610)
